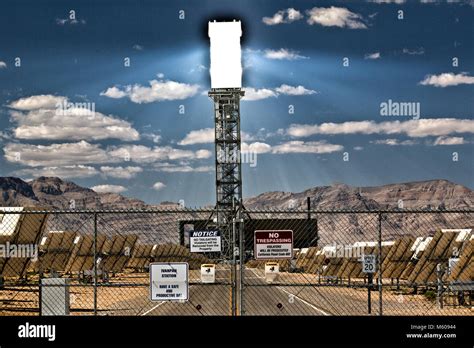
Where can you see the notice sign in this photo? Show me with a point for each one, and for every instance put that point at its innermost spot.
(205, 241)
(273, 245)
(169, 281)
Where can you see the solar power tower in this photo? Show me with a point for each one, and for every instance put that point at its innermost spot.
(226, 92)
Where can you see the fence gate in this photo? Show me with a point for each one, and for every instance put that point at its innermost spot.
(344, 263)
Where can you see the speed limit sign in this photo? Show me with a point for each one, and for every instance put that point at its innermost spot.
(369, 263)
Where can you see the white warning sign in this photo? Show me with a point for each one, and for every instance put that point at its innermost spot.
(205, 241)
(273, 245)
(169, 281)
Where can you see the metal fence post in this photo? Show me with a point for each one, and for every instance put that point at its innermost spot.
(95, 263)
(234, 269)
(380, 265)
(242, 264)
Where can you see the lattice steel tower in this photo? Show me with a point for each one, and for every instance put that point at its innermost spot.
(227, 152)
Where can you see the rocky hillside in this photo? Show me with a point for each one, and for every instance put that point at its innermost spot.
(433, 194)
(52, 192)
(55, 193)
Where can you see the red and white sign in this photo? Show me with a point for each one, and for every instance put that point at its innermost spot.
(273, 245)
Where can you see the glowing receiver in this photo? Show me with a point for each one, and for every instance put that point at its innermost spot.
(226, 67)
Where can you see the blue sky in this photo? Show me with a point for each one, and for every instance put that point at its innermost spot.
(139, 144)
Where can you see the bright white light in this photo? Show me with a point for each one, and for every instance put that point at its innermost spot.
(226, 67)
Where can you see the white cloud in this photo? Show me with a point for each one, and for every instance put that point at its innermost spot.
(3, 65)
(171, 168)
(283, 16)
(297, 146)
(388, 1)
(43, 101)
(120, 172)
(138, 47)
(114, 92)
(294, 90)
(55, 154)
(394, 142)
(144, 154)
(109, 188)
(202, 154)
(158, 186)
(412, 128)
(252, 94)
(256, 147)
(156, 138)
(335, 17)
(414, 52)
(64, 21)
(157, 91)
(81, 153)
(200, 136)
(447, 79)
(444, 140)
(375, 55)
(283, 54)
(65, 172)
(55, 118)
(358, 148)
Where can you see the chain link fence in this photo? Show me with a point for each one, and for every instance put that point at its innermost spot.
(97, 263)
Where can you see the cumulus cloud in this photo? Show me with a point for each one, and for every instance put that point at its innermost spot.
(283, 54)
(411, 128)
(283, 16)
(375, 55)
(157, 91)
(73, 171)
(414, 51)
(444, 140)
(388, 1)
(297, 146)
(120, 172)
(256, 147)
(55, 154)
(447, 79)
(173, 168)
(156, 138)
(158, 186)
(43, 101)
(85, 153)
(114, 92)
(144, 154)
(109, 188)
(49, 117)
(394, 142)
(3, 65)
(138, 47)
(200, 136)
(335, 17)
(252, 94)
(294, 90)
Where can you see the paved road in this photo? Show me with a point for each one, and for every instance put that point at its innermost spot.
(294, 294)
(215, 299)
